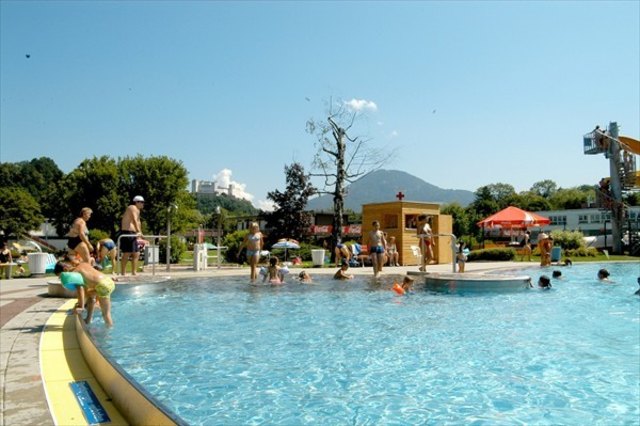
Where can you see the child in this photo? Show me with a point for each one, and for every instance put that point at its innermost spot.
(461, 256)
(544, 282)
(274, 272)
(341, 274)
(106, 250)
(304, 277)
(407, 284)
(556, 274)
(95, 284)
(603, 275)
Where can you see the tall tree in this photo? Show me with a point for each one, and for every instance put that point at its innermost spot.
(20, 212)
(341, 158)
(289, 218)
(162, 182)
(545, 188)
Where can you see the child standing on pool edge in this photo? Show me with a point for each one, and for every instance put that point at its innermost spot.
(377, 248)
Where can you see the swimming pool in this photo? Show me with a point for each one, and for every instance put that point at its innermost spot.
(217, 351)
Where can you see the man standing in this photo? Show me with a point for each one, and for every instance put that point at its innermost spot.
(130, 229)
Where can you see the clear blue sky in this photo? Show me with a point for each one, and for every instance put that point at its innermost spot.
(468, 93)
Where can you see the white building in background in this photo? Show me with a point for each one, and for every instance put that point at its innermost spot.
(202, 187)
(591, 221)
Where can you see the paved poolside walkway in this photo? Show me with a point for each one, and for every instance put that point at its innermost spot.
(25, 307)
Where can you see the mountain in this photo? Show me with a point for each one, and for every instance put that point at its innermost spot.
(383, 185)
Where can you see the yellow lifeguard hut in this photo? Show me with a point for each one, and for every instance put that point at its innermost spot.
(400, 219)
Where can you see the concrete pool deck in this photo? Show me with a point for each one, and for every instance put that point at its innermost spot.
(25, 308)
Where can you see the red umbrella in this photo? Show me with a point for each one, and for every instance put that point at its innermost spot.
(513, 217)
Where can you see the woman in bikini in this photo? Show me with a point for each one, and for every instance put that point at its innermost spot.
(79, 243)
(253, 241)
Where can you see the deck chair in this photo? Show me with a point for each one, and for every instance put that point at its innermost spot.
(556, 254)
(417, 253)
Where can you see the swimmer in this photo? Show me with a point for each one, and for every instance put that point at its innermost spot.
(556, 274)
(274, 273)
(568, 262)
(304, 277)
(341, 274)
(637, 293)
(407, 284)
(544, 282)
(603, 275)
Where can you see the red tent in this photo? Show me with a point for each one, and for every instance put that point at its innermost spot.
(513, 217)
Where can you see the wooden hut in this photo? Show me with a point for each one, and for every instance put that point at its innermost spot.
(400, 218)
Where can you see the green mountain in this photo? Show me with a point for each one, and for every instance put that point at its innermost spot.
(383, 185)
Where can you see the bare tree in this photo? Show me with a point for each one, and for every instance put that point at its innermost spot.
(341, 158)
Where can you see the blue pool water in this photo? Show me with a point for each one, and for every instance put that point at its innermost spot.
(218, 352)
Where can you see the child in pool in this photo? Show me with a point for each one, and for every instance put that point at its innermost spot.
(341, 274)
(603, 275)
(407, 284)
(544, 282)
(638, 292)
(304, 277)
(274, 273)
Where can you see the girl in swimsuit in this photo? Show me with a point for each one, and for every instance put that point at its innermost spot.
(79, 236)
(253, 241)
(106, 248)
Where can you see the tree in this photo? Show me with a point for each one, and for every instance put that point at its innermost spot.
(289, 218)
(20, 212)
(93, 184)
(162, 181)
(545, 188)
(40, 177)
(341, 159)
(462, 224)
(571, 198)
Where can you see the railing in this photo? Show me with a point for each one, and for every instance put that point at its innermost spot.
(146, 237)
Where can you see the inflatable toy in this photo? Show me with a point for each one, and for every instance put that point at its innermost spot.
(397, 288)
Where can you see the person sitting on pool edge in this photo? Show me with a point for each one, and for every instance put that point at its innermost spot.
(341, 274)
(544, 282)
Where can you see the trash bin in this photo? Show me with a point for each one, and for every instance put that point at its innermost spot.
(317, 257)
(151, 254)
(200, 257)
(37, 263)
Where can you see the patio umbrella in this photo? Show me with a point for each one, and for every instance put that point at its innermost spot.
(286, 244)
(513, 217)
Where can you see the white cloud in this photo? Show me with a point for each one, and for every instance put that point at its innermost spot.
(265, 205)
(361, 105)
(223, 180)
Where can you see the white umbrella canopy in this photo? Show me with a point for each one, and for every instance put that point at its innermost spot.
(286, 244)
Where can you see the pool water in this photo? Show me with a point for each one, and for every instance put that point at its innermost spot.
(219, 352)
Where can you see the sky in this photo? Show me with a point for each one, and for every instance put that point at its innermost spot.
(460, 94)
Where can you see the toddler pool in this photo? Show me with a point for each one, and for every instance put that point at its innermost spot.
(218, 352)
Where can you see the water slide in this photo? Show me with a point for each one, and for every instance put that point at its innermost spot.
(630, 144)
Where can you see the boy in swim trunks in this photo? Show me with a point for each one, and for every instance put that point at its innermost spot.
(95, 285)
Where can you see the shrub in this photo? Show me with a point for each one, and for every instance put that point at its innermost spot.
(568, 240)
(178, 248)
(582, 252)
(502, 254)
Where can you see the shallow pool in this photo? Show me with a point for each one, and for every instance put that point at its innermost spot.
(216, 351)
